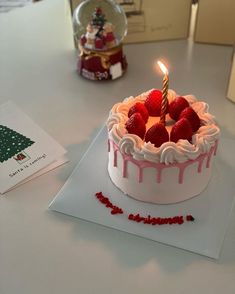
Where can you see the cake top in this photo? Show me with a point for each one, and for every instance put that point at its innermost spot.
(189, 132)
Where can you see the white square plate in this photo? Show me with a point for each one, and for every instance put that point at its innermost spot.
(211, 209)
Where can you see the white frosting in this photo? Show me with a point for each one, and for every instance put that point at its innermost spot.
(169, 152)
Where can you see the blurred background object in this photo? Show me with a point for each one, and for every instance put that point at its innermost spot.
(113, 13)
(215, 22)
(231, 85)
(154, 20)
(8, 5)
(99, 28)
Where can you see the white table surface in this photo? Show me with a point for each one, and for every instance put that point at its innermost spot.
(47, 252)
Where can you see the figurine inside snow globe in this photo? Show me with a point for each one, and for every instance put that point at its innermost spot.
(99, 28)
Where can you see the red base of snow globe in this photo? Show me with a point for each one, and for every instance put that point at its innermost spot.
(99, 65)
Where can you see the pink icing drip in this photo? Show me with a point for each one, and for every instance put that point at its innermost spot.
(216, 148)
(115, 149)
(140, 175)
(210, 153)
(159, 174)
(200, 162)
(124, 170)
(160, 166)
(181, 173)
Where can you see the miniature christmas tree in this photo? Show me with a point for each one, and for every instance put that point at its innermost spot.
(98, 20)
(11, 143)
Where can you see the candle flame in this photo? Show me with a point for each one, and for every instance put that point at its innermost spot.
(162, 67)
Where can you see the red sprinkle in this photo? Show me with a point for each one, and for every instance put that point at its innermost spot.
(189, 218)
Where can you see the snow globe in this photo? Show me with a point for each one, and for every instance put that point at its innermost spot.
(99, 29)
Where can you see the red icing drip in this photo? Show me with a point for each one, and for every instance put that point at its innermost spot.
(141, 164)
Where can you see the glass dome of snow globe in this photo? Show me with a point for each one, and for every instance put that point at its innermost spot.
(103, 14)
(99, 28)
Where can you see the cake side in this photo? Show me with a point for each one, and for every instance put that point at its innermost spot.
(156, 182)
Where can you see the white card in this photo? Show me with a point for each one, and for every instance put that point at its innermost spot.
(24, 147)
(58, 162)
(116, 70)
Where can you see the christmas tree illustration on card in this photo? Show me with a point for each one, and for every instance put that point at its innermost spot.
(13, 144)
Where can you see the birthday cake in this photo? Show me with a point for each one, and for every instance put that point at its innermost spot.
(160, 162)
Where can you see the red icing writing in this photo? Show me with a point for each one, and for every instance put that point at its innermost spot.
(156, 220)
(179, 219)
(105, 200)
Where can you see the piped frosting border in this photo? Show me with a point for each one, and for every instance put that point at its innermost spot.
(169, 152)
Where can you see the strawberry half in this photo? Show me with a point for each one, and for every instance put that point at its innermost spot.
(153, 103)
(140, 108)
(192, 117)
(181, 130)
(176, 106)
(136, 125)
(157, 135)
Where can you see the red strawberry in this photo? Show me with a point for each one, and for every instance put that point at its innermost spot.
(181, 130)
(136, 125)
(157, 135)
(139, 107)
(154, 103)
(176, 106)
(192, 117)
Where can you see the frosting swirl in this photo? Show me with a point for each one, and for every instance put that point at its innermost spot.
(168, 152)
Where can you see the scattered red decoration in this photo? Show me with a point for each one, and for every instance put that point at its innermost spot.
(178, 219)
(189, 218)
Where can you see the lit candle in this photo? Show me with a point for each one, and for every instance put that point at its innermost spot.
(164, 92)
